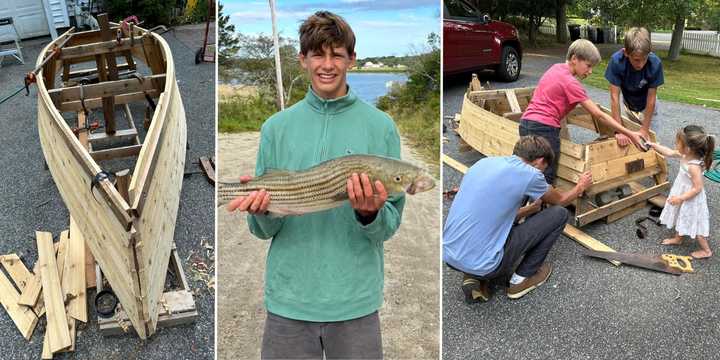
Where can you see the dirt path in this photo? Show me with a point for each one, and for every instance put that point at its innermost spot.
(410, 314)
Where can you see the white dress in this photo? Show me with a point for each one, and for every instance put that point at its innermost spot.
(691, 217)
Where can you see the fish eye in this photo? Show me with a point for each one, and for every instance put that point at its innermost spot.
(397, 178)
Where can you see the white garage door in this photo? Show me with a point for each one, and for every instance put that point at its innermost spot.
(30, 17)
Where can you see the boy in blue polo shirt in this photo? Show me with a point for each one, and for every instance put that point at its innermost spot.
(636, 72)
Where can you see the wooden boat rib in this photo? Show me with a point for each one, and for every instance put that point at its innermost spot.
(489, 123)
(131, 238)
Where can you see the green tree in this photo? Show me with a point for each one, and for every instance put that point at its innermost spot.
(228, 44)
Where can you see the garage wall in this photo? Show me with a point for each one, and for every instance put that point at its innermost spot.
(29, 16)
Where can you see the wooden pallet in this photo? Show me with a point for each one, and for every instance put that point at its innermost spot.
(176, 307)
(489, 123)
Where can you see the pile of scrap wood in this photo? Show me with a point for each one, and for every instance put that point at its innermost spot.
(56, 288)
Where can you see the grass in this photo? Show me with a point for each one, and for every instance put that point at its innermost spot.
(687, 79)
(244, 113)
(421, 126)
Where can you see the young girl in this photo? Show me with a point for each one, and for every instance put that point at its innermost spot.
(686, 209)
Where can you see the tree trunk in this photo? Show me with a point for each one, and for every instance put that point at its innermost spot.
(677, 34)
(560, 22)
(531, 31)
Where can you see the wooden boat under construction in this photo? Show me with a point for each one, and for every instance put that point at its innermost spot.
(624, 178)
(127, 226)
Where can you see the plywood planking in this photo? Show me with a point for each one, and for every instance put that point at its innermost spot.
(156, 223)
(57, 329)
(128, 257)
(106, 236)
(23, 317)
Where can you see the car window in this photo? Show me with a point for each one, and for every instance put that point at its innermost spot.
(459, 9)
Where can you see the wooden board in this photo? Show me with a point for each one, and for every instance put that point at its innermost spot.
(621, 204)
(73, 280)
(58, 333)
(23, 317)
(155, 224)
(587, 241)
(31, 293)
(19, 274)
(625, 212)
(454, 164)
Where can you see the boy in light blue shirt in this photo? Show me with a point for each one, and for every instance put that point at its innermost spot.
(480, 237)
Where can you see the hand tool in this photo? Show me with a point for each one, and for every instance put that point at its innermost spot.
(667, 263)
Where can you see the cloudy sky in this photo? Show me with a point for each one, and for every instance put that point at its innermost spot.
(390, 27)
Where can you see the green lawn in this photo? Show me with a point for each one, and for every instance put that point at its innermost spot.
(687, 79)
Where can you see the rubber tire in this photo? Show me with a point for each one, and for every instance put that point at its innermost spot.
(508, 54)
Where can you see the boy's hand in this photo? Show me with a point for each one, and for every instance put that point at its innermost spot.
(637, 139)
(585, 181)
(255, 203)
(363, 198)
(675, 200)
(645, 134)
(622, 140)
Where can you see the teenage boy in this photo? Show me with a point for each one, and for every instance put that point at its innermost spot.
(480, 237)
(635, 72)
(324, 273)
(557, 93)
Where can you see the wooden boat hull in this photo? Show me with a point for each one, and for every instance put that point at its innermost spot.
(489, 124)
(130, 239)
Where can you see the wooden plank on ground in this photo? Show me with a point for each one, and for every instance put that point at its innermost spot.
(58, 333)
(73, 280)
(208, 168)
(32, 291)
(454, 164)
(587, 241)
(23, 317)
(19, 274)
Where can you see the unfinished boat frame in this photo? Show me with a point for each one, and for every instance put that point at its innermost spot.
(129, 229)
(489, 123)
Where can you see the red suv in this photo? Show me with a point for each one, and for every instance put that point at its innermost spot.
(473, 42)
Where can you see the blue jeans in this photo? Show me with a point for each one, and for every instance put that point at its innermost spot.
(552, 135)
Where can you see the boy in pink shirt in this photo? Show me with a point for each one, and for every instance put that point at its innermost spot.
(557, 93)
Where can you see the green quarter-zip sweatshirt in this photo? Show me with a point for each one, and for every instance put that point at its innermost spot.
(325, 266)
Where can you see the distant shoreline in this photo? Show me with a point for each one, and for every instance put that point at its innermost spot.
(380, 70)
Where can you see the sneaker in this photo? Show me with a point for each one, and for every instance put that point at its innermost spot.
(475, 290)
(519, 290)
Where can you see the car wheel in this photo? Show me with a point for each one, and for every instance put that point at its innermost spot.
(509, 68)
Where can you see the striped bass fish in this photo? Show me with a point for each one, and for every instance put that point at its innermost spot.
(324, 186)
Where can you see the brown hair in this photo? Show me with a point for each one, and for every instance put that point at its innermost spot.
(696, 140)
(326, 29)
(533, 147)
(637, 39)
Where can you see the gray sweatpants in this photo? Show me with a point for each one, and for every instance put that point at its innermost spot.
(296, 339)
